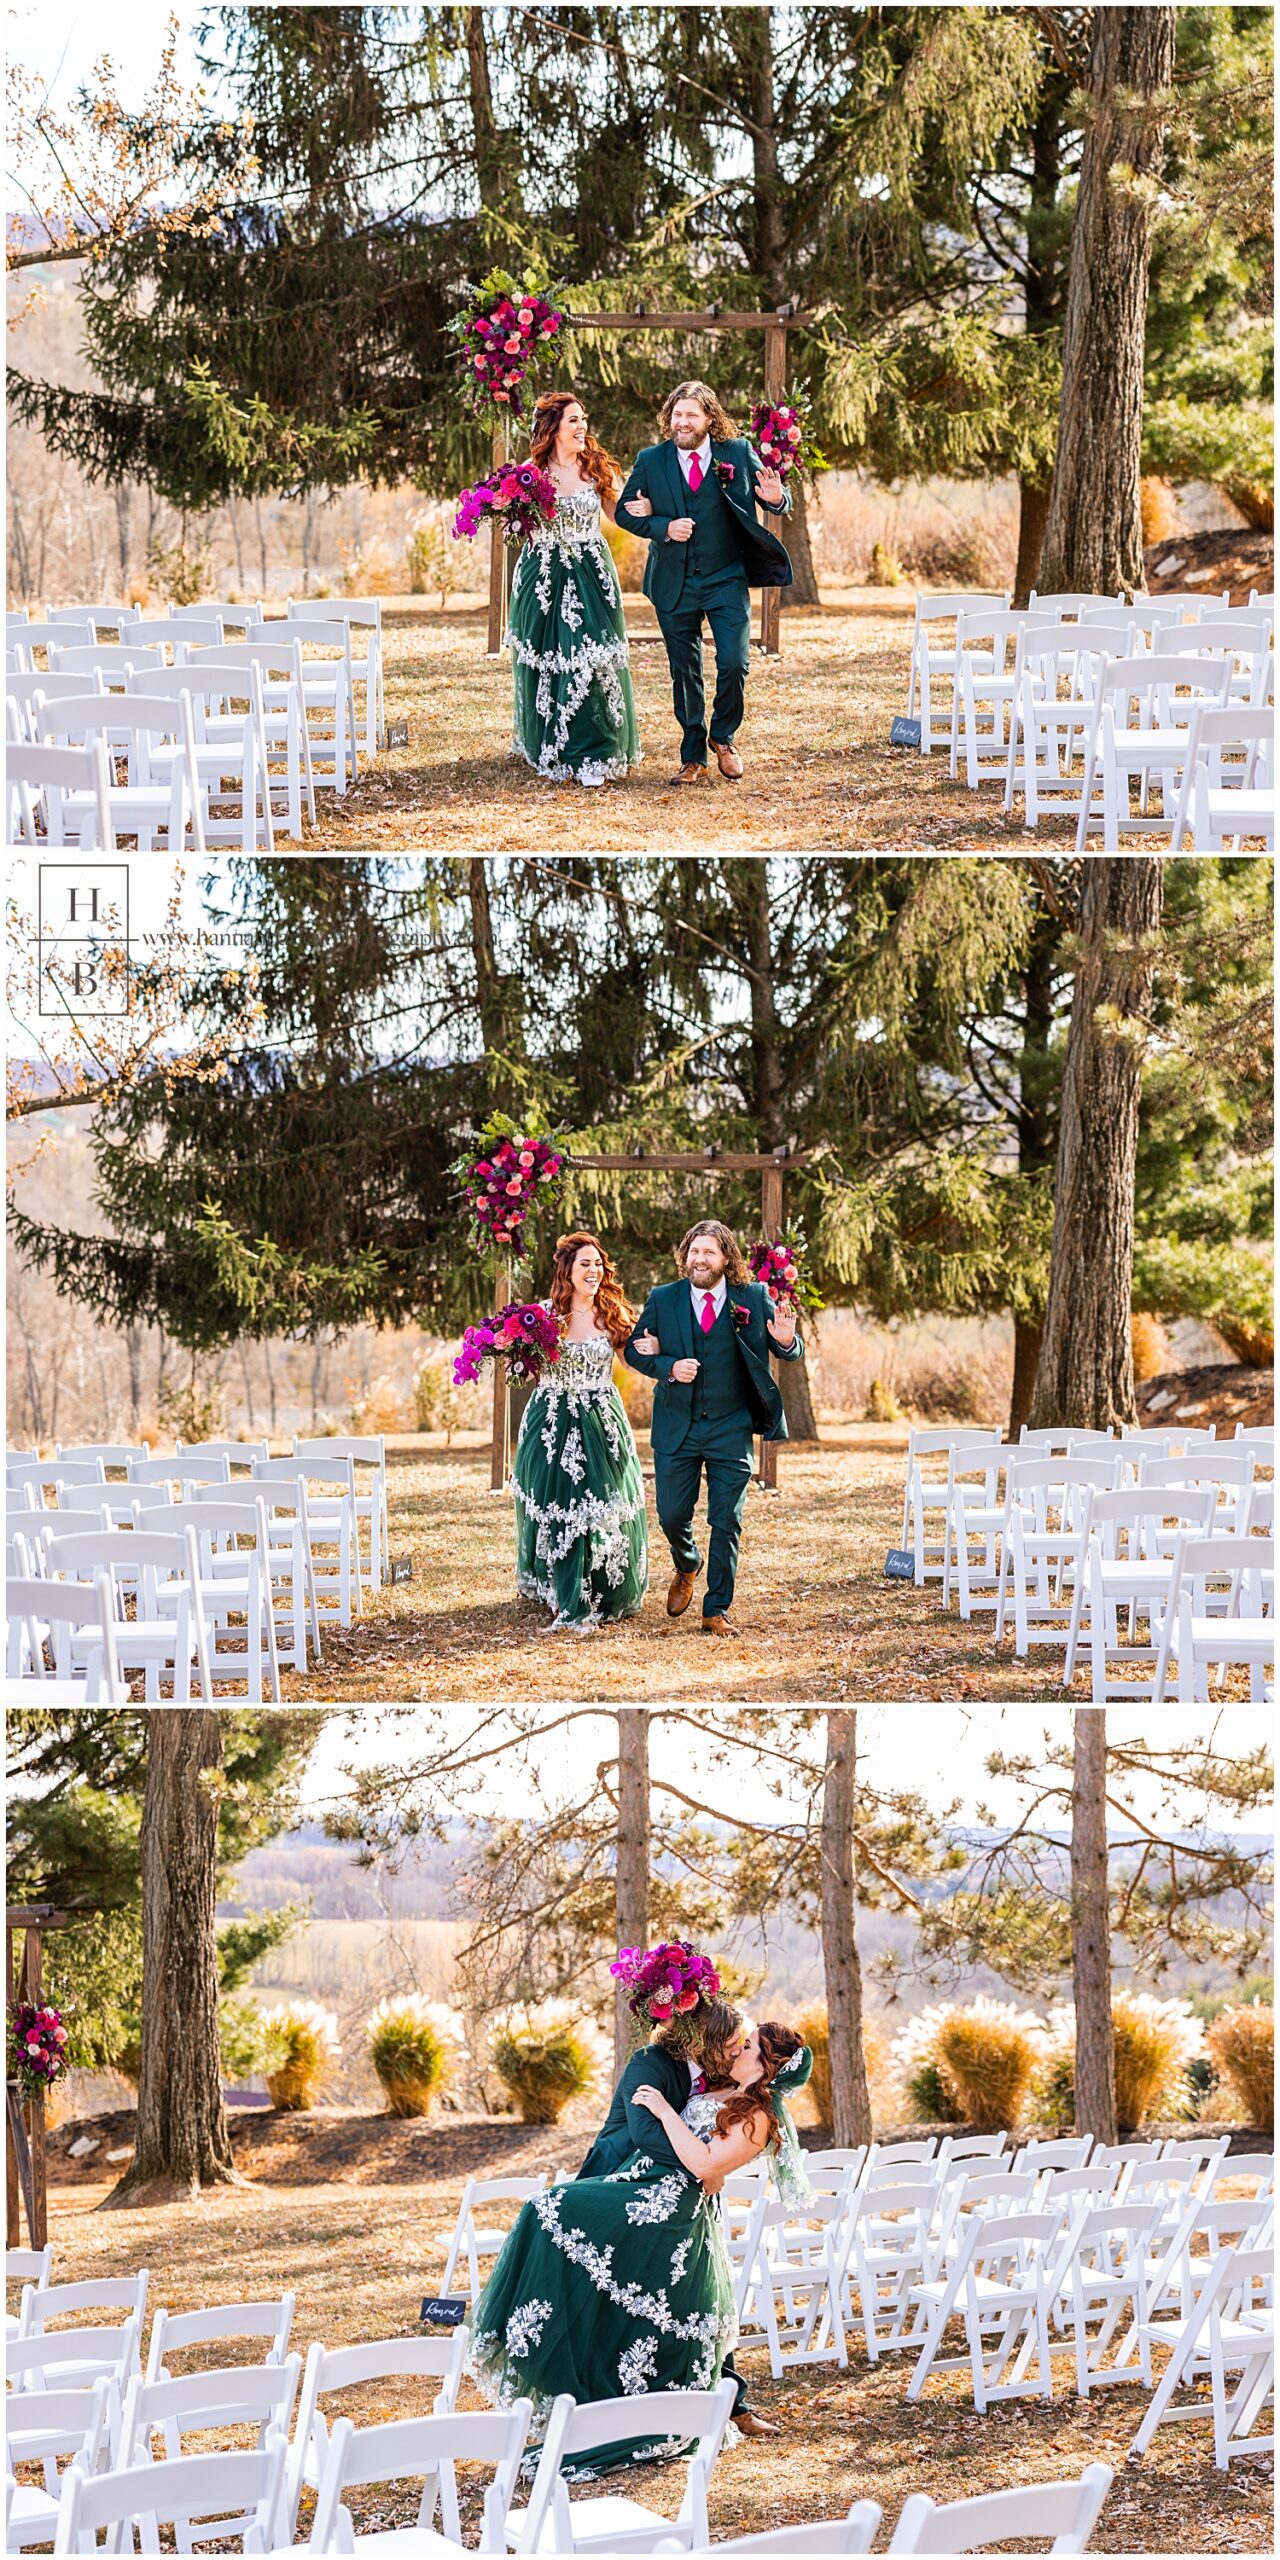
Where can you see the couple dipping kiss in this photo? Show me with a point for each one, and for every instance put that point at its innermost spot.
(693, 499)
(617, 2281)
(705, 1340)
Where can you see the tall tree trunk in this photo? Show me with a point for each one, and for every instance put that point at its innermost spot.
(497, 177)
(756, 36)
(842, 1973)
(748, 883)
(181, 2145)
(1035, 1123)
(1085, 1376)
(631, 1867)
(1091, 1928)
(1093, 536)
(1042, 300)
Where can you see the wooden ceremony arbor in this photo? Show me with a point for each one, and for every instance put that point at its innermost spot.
(774, 324)
(25, 2148)
(712, 1160)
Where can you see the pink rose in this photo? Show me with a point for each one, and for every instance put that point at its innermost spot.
(514, 1189)
(527, 1158)
(502, 395)
(687, 2000)
(789, 1271)
(660, 2010)
(793, 435)
(551, 325)
(484, 1167)
(479, 364)
(59, 2035)
(511, 346)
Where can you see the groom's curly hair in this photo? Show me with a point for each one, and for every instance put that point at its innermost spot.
(737, 1268)
(720, 425)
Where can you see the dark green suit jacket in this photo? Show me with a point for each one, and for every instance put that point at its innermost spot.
(668, 1312)
(628, 2128)
(656, 475)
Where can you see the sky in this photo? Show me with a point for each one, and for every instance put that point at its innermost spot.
(62, 44)
(940, 1751)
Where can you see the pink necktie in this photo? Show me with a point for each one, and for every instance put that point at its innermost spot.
(708, 1311)
(695, 473)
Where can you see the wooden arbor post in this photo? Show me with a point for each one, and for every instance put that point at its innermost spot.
(24, 2118)
(770, 1169)
(774, 324)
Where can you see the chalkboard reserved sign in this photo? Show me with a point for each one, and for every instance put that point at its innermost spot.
(904, 732)
(444, 2310)
(900, 1565)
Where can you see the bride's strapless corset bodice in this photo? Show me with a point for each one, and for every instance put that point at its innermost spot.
(583, 1368)
(700, 2114)
(576, 520)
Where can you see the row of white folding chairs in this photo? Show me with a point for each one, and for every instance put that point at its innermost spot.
(219, 618)
(244, 2498)
(366, 1450)
(1065, 713)
(932, 1461)
(940, 660)
(975, 1509)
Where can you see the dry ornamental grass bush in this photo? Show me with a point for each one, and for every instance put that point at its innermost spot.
(301, 2049)
(1241, 2044)
(1151, 1345)
(410, 2049)
(812, 2025)
(545, 2057)
(989, 2053)
(1154, 2042)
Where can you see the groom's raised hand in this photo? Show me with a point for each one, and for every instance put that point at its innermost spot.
(782, 1326)
(769, 487)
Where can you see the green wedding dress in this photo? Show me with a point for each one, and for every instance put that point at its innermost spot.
(581, 1536)
(607, 2287)
(575, 718)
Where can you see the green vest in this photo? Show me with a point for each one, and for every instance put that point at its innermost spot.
(720, 1387)
(715, 549)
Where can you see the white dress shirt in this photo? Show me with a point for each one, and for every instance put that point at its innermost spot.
(716, 1295)
(703, 452)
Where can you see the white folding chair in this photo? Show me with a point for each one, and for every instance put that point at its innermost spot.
(230, 748)
(363, 617)
(77, 1620)
(59, 795)
(174, 2332)
(238, 1453)
(116, 1455)
(1067, 2509)
(286, 735)
(924, 1490)
(1241, 1628)
(1041, 1554)
(886, 2254)
(294, 1609)
(1226, 1467)
(1128, 1564)
(984, 697)
(157, 798)
(26, 695)
(1162, 690)
(1068, 608)
(615, 2525)
(1057, 670)
(1102, 2274)
(976, 1512)
(197, 2492)
(417, 2449)
(930, 662)
(328, 693)
(855, 2531)
(167, 1633)
(1230, 2329)
(1001, 2282)
(365, 1449)
(795, 2283)
(1222, 803)
(42, 2426)
(185, 1469)
(473, 2240)
(330, 1528)
(233, 1548)
(335, 2369)
(255, 2395)
(50, 1475)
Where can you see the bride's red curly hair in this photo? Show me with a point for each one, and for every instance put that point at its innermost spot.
(613, 1308)
(778, 2046)
(594, 462)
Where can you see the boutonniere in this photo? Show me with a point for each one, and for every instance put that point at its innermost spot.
(726, 471)
(741, 1315)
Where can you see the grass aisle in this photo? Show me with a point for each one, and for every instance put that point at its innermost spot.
(819, 770)
(360, 2254)
(817, 1618)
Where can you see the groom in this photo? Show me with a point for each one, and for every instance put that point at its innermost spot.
(705, 1340)
(693, 499)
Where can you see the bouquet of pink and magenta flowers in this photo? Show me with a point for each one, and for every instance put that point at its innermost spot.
(505, 321)
(37, 2048)
(526, 1336)
(502, 1175)
(518, 497)
(780, 434)
(780, 1266)
(664, 1982)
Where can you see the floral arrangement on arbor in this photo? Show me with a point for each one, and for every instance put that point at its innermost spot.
(781, 1267)
(37, 2048)
(526, 1335)
(780, 434)
(506, 319)
(501, 1175)
(519, 498)
(664, 1982)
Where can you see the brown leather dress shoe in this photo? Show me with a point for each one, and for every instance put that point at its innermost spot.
(692, 773)
(748, 2424)
(680, 1594)
(718, 1627)
(729, 761)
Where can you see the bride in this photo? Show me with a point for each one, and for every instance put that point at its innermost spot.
(621, 2284)
(575, 718)
(582, 1541)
